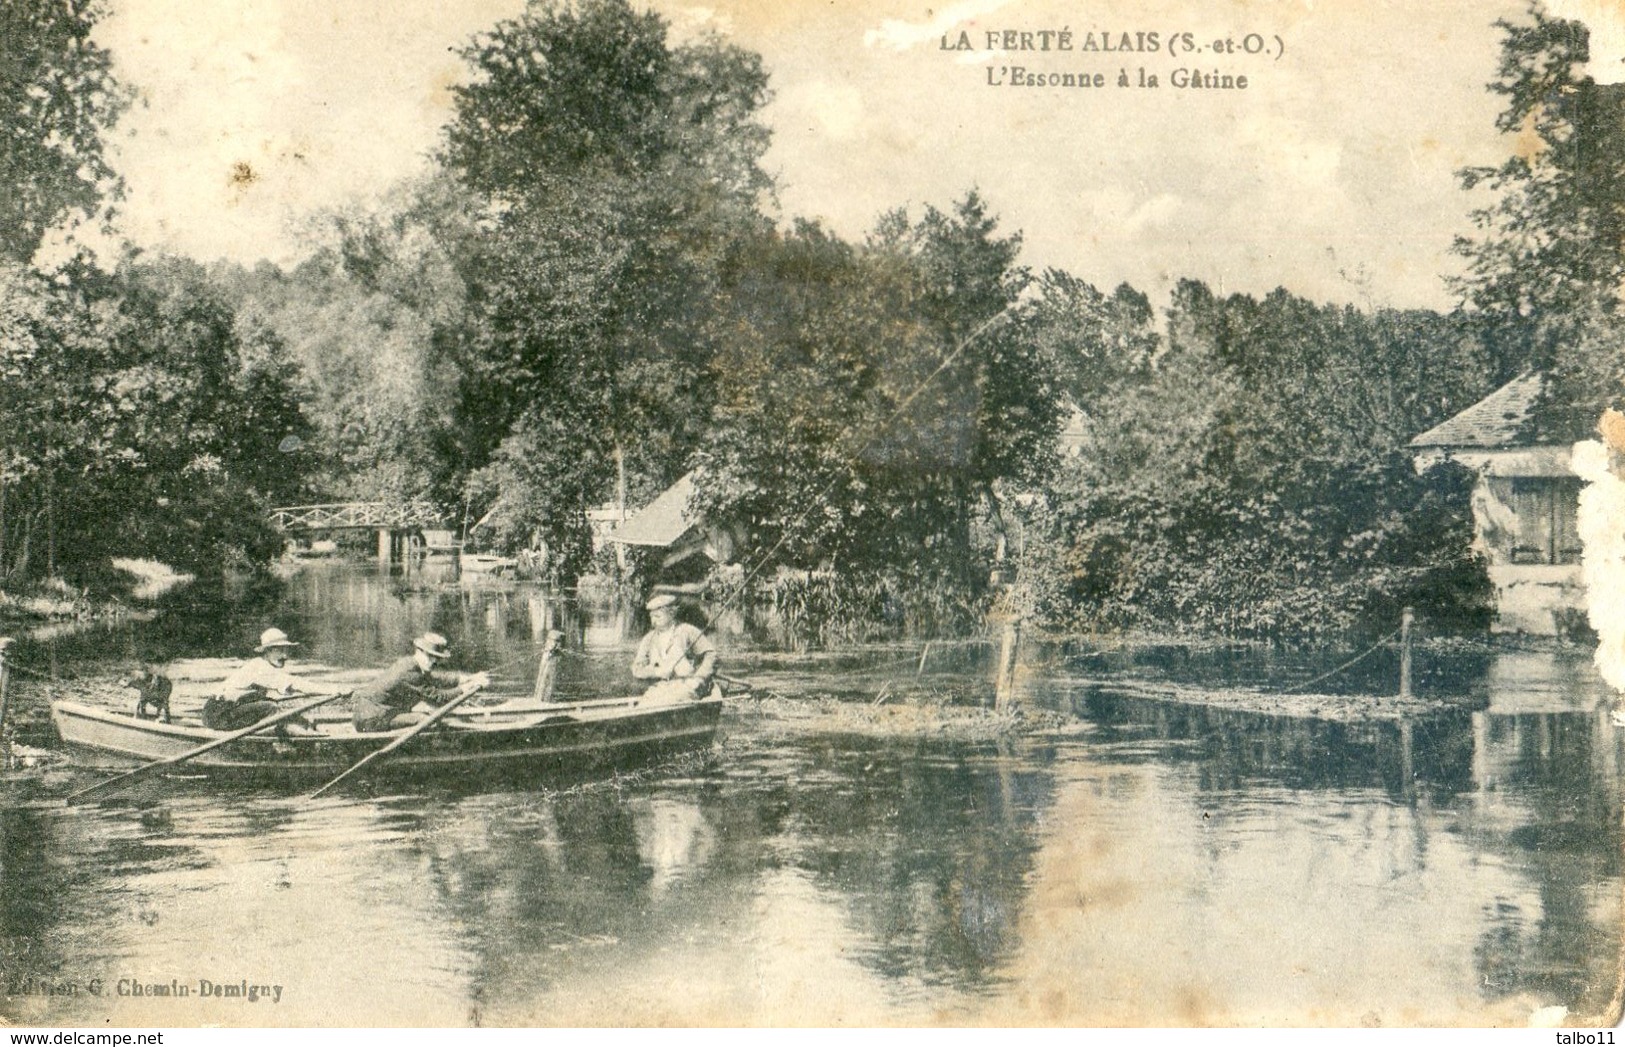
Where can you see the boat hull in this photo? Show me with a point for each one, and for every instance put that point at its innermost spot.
(556, 744)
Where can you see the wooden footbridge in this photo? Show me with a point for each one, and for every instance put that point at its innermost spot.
(396, 522)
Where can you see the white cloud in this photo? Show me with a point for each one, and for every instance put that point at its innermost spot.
(899, 35)
(690, 22)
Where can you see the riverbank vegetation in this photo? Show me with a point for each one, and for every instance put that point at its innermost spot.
(592, 293)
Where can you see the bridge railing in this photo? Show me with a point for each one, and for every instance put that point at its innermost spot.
(337, 516)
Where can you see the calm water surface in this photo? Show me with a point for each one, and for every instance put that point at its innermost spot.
(1135, 861)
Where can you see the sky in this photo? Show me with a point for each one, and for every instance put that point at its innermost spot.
(1331, 174)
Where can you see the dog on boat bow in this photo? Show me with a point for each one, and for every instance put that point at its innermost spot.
(152, 690)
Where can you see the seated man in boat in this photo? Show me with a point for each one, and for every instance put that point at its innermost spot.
(249, 694)
(386, 703)
(674, 654)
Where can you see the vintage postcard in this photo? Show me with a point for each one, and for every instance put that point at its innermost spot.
(841, 513)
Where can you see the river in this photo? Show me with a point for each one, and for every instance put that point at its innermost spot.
(1122, 860)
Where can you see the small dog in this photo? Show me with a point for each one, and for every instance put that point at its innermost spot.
(153, 689)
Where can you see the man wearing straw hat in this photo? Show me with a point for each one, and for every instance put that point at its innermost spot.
(248, 695)
(674, 654)
(386, 703)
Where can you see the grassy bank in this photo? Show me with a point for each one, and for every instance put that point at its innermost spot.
(126, 580)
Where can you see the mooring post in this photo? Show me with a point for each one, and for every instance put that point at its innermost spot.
(1005, 683)
(1406, 618)
(1407, 756)
(547, 670)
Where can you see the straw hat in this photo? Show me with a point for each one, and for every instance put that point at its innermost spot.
(433, 644)
(273, 637)
(663, 600)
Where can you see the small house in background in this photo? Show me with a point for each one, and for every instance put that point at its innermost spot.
(1524, 504)
(667, 523)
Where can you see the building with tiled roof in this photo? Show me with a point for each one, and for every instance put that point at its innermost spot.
(1524, 503)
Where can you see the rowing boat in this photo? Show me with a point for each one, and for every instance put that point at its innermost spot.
(518, 742)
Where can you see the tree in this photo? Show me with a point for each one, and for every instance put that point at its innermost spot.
(1548, 260)
(371, 319)
(593, 88)
(621, 180)
(57, 98)
(787, 455)
(142, 419)
(1252, 477)
(877, 396)
(196, 403)
(1096, 343)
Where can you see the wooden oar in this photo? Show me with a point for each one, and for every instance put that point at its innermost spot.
(146, 769)
(525, 707)
(411, 733)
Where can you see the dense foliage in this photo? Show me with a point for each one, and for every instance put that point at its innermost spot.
(589, 296)
(370, 319)
(1250, 476)
(1546, 268)
(142, 414)
(143, 418)
(874, 396)
(618, 176)
(57, 95)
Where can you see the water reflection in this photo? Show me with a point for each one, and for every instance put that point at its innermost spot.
(1502, 820)
(1234, 747)
(931, 852)
(1147, 862)
(198, 890)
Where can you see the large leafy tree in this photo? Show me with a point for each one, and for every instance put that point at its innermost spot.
(1546, 267)
(789, 459)
(1096, 342)
(49, 357)
(877, 395)
(144, 417)
(370, 320)
(620, 175)
(58, 96)
(192, 406)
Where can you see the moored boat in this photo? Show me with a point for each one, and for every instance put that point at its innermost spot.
(486, 563)
(517, 742)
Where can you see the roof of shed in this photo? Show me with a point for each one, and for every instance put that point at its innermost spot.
(1505, 418)
(664, 521)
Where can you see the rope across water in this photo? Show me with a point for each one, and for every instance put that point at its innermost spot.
(1357, 658)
